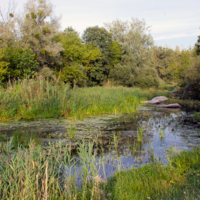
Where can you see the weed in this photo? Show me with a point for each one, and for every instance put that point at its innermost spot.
(116, 140)
(162, 133)
(22, 138)
(71, 131)
(140, 131)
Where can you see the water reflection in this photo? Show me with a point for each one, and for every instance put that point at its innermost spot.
(115, 138)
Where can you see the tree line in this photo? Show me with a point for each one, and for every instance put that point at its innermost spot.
(122, 52)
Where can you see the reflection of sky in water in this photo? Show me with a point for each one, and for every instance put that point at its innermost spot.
(133, 155)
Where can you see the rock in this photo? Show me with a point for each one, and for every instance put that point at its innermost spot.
(160, 98)
(174, 105)
(156, 100)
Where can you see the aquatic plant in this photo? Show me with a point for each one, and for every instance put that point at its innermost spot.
(71, 130)
(51, 172)
(3, 137)
(162, 133)
(140, 131)
(133, 148)
(116, 140)
(54, 174)
(22, 138)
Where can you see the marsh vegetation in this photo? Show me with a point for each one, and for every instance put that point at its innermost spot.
(71, 122)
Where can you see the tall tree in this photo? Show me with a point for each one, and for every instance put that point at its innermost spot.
(110, 53)
(8, 30)
(38, 27)
(136, 41)
(135, 38)
(162, 59)
(77, 57)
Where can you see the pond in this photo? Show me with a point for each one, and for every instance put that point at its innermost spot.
(120, 141)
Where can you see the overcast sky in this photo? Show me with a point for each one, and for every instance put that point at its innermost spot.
(173, 22)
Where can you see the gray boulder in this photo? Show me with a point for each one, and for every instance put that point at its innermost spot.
(160, 98)
(156, 100)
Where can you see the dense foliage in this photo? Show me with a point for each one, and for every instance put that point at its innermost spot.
(121, 53)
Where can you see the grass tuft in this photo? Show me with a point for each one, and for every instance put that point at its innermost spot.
(140, 131)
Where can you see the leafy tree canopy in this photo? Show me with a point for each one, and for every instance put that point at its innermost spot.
(109, 49)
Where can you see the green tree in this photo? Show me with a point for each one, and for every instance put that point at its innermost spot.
(191, 79)
(3, 67)
(162, 60)
(135, 41)
(21, 63)
(28, 64)
(122, 75)
(77, 58)
(198, 46)
(110, 53)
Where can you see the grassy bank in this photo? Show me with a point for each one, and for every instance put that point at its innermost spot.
(43, 99)
(38, 173)
(179, 180)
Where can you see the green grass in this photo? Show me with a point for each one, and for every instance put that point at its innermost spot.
(37, 98)
(179, 180)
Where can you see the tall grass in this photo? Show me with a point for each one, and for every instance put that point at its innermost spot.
(38, 98)
(52, 173)
(37, 173)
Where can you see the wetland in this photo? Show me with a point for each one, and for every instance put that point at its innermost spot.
(129, 139)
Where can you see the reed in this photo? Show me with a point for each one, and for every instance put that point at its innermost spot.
(140, 131)
(38, 98)
(115, 140)
(53, 173)
(71, 130)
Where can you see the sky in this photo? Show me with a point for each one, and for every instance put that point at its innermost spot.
(173, 22)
